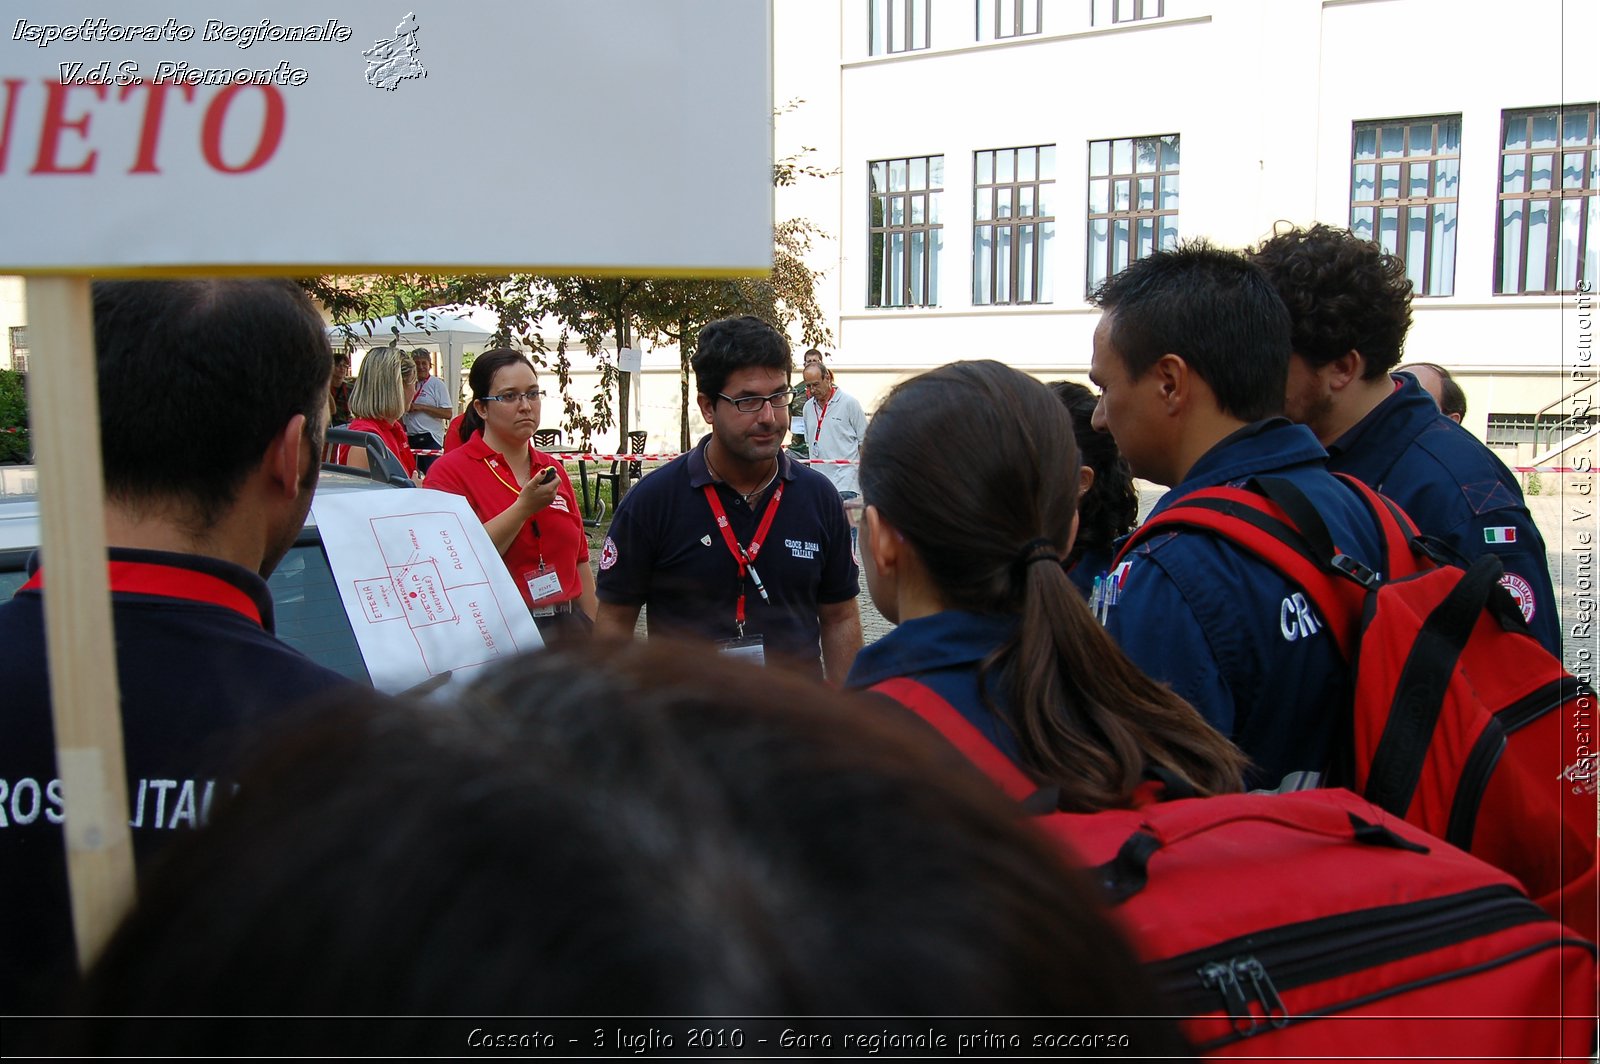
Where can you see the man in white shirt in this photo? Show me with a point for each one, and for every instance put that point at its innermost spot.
(835, 424)
(428, 411)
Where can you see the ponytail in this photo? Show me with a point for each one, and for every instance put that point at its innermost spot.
(1086, 719)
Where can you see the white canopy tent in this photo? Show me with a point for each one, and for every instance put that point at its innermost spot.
(450, 333)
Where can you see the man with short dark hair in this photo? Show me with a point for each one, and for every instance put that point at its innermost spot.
(1351, 305)
(734, 542)
(195, 520)
(428, 410)
(1190, 357)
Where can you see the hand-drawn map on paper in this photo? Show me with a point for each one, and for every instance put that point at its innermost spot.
(426, 593)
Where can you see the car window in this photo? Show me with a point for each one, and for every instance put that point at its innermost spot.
(310, 616)
(9, 582)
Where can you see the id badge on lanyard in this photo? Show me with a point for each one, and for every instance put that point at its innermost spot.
(751, 647)
(748, 648)
(543, 583)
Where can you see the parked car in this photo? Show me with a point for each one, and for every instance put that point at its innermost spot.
(309, 615)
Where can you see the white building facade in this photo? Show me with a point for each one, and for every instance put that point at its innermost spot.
(998, 158)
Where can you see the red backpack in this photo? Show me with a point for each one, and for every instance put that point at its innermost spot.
(1463, 724)
(1314, 924)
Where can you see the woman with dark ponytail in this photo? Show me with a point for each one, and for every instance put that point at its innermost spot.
(969, 482)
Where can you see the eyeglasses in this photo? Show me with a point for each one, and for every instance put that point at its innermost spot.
(854, 510)
(751, 404)
(516, 397)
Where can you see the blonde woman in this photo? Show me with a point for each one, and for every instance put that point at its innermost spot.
(377, 401)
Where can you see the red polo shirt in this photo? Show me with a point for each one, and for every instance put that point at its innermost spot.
(393, 435)
(478, 472)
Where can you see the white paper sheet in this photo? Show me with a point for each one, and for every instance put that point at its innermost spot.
(424, 588)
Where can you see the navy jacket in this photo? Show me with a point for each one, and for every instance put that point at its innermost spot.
(196, 669)
(1456, 490)
(943, 651)
(1231, 635)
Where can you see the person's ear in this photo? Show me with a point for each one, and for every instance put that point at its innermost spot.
(708, 404)
(1342, 371)
(286, 456)
(883, 540)
(1085, 481)
(1172, 381)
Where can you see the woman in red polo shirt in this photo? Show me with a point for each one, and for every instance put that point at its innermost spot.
(377, 401)
(521, 495)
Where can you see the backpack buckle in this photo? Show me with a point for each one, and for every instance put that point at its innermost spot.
(1355, 570)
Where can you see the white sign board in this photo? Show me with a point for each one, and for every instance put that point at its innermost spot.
(426, 593)
(630, 360)
(179, 136)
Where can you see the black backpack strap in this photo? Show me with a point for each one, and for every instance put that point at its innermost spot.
(1419, 693)
(1314, 529)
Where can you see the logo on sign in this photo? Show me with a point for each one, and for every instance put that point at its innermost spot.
(392, 61)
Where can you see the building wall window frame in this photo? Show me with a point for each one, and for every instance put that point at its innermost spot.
(1547, 231)
(896, 26)
(905, 234)
(1001, 20)
(1133, 202)
(19, 348)
(1137, 10)
(1013, 225)
(1404, 179)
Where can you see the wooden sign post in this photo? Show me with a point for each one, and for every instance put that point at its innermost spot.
(65, 413)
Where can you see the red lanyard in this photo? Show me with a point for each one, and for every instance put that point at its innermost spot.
(145, 578)
(414, 395)
(822, 412)
(744, 556)
(494, 467)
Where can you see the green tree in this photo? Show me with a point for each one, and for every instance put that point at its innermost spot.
(591, 310)
(15, 443)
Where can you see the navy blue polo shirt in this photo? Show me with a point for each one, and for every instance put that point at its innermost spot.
(1454, 489)
(945, 651)
(197, 668)
(1226, 631)
(665, 552)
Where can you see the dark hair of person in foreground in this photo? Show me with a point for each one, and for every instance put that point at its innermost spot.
(1087, 720)
(647, 829)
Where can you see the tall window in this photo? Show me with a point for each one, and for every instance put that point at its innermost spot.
(999, 19)
(1013, 224)
(1134, 10)
(1403, 177)
(1133, 201)
(19, 348)
(905, 232)
(1548, 237)
(897, 26)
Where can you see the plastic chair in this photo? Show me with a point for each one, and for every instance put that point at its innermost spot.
(544, 439)
(636, 444)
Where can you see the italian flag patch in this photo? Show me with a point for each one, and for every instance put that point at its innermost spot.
(1504, 534)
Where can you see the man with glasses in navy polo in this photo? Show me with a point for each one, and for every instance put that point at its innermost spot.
(734, 542)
